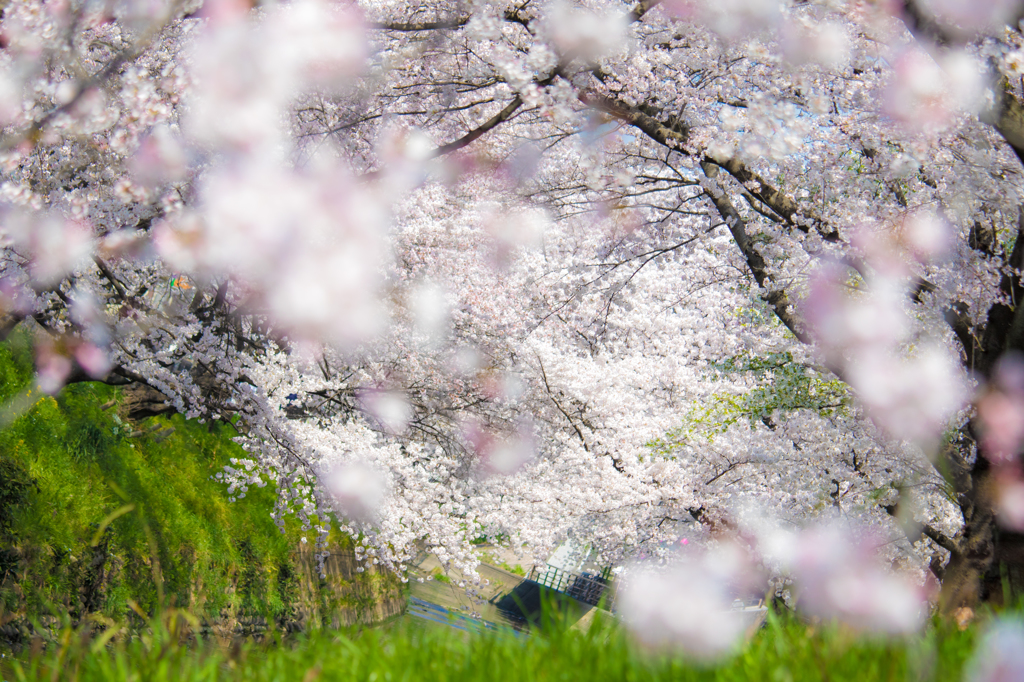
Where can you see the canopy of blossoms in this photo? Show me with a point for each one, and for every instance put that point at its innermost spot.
(741, 273)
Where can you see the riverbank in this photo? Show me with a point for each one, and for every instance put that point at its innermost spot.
(104, 517)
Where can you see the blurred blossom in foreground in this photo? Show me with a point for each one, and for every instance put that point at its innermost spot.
(864, 332)
(1001, 411)
(510, 232)
(92, 359)
(302, 242)
(500, 455)
(583, 34)
(510, 456)
(927, 237)
(842, 324)
(911, 398)
(687, 604)
(52, 367)
(1001, 425)
(730, 19)
(926, 95)
(304, 245)
(1010, 500)
(838, 575)
(357, 490)
(968, 17)
(810, 42)
(465, 362)
(248, 71)
(14, 297)
(390, 409)
(160, 159)
(1000, 654)
(430, 312)
(55, 244)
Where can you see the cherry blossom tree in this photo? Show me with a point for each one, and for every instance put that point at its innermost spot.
(635, 273)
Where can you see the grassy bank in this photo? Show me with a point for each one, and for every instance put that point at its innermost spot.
(786, 650)
(99, 515)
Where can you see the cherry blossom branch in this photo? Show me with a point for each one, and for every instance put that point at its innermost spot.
(125, 56)
(1008, 118)
(775, 297)
(417, 26)
(480, 130)
(921, 25)
(936, 536)
(642, 8)
(551, 394)
(1004, 327)
(730, 467)
(635, 15)
(642, 118)
(109, 276)
(675, 135)
(783, 205)
(513, 15)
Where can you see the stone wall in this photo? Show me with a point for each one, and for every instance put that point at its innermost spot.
(345, 596)
(231, 608)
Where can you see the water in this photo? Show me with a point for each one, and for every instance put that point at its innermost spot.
(435, 613)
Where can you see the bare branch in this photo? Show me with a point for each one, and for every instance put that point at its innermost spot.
(416, 26)
(480, 130)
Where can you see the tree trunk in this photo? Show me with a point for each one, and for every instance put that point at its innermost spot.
(963, 583)
(987, 564)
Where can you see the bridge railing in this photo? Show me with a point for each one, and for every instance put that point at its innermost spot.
(583, 587)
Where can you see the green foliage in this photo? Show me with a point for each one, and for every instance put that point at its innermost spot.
(515, 570)
(786, 649)
(15, 485)
(780, 385)
(489, 558)
(98, 514)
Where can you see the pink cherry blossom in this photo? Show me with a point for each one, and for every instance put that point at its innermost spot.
(1000, 654)
(686, 605)
(840, 577)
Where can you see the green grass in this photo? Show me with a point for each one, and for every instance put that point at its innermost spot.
(99, 515)
(785, 650)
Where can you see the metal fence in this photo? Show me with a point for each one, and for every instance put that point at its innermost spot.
(585, 587)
